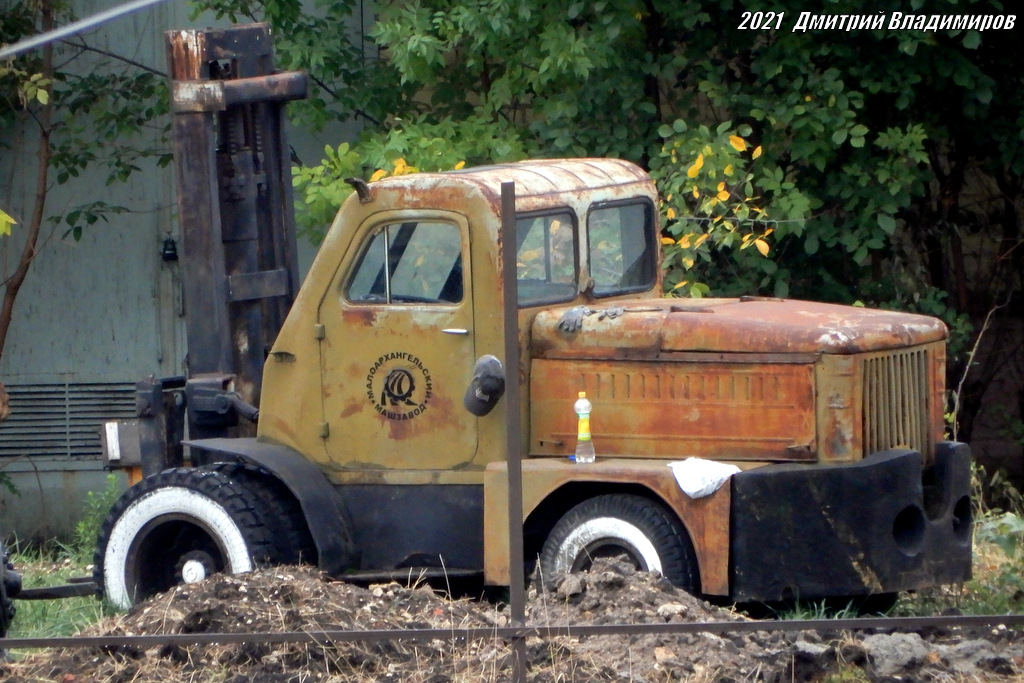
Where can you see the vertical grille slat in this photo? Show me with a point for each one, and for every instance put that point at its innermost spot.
(62, 419)
(896, 410)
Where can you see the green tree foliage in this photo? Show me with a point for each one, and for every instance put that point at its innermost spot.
(879, 164)
(866, 139)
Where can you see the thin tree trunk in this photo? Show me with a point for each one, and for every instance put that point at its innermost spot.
(28, 252)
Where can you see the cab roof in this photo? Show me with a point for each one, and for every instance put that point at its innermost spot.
(532, 178)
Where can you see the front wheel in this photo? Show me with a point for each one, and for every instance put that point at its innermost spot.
(180, 526)
(621, 524)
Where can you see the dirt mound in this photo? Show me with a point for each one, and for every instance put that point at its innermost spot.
(301, 599)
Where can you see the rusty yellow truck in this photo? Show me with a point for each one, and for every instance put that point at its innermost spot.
(371, 457)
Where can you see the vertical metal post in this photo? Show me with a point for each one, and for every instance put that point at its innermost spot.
(513, 429)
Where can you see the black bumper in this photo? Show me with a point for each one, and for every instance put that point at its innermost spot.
(875, 526)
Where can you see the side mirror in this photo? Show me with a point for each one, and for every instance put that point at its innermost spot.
(487, 386)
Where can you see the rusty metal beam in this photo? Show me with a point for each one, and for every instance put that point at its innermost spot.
(328, 637)
(207, 96)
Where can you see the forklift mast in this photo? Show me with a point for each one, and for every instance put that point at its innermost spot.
(239, 263)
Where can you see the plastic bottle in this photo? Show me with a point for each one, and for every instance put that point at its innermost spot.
(584, 446)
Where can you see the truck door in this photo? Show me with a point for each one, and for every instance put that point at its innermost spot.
(398, 346)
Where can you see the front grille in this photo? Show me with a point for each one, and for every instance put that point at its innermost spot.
(896, 401)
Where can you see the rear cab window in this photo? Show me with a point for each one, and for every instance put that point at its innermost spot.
(623, 256)
(546, 264)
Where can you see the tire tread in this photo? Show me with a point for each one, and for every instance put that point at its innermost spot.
(667, 534)
(242, 505)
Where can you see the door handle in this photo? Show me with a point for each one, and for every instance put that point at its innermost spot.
(456, 331)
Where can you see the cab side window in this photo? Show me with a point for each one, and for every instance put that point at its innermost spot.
(410, 262)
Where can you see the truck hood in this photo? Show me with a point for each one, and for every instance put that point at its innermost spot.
(644, 328)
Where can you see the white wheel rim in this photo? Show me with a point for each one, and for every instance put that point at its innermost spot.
(610, 528)
(180, 503)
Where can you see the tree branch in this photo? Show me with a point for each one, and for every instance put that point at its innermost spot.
(81, 44)
(43, 159)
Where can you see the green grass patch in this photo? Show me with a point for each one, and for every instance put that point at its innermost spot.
(57, 564)
(53, 618)
(997, 584)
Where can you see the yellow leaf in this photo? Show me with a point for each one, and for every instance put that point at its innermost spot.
(728, 170)
(679, 284)
(5, 223)
(400, 166)
(378, 174)
(757, 152)
(738, 143)
(684, 241)
(671, 213)
(696, 192)
(697, 165)
(700, 240)
(460, 165)
(721, 186)
(667, 240)
(722, 195)
(762, 246)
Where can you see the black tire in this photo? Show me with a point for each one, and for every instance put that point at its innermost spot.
(290, 538)
(621, 524)
(10, 584)
(180, 526)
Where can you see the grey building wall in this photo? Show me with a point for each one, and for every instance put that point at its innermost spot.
(95, 315)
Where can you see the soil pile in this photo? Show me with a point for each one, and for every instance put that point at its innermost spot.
(301, 599)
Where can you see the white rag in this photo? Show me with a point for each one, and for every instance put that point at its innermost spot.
(699, 478)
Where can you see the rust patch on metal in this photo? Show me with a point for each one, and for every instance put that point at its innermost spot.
(732, 326)
(795, 327)
(350, 410)
(656, 409)
(361, 315)
(184, 48)
(398, 430)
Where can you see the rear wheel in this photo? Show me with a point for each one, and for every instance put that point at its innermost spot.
(180, 526)
(621, 524)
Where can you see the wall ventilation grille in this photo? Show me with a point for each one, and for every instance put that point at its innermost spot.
(62, 419)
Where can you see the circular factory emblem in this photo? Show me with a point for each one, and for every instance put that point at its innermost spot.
(399, 386)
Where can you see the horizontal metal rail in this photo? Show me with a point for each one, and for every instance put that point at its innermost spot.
(329, 637)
